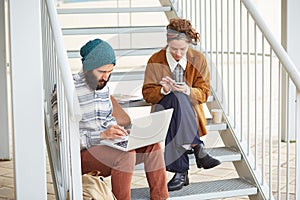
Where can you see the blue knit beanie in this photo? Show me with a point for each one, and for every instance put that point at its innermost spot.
(97, 53)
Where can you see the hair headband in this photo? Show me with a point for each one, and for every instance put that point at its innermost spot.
(175, 35)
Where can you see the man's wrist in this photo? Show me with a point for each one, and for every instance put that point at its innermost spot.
(101, 135)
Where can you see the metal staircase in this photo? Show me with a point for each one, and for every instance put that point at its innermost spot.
(134, 43)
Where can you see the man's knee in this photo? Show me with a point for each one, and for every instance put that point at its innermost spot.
(125, 161)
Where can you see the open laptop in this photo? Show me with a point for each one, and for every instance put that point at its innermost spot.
(144, 131)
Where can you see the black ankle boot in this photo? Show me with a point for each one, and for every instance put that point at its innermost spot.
(178, 181)
(203, 159)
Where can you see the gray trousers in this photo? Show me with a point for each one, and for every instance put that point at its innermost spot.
(183, 130)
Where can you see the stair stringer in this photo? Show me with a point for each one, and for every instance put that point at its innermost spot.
(244, 167)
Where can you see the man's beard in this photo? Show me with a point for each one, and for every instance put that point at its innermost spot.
(92, 81)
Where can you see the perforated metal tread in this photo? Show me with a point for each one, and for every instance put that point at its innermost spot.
(113, 30)
(210, 126)
(112, 10)
(122, 52)
(224, 154)
(204, 190)
(143, 102)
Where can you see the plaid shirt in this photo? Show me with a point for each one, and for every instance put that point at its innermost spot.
(96, 111)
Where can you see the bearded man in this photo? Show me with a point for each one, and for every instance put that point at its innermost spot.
(98, 122)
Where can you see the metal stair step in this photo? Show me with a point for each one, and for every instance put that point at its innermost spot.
(112, 10)
(113, 30)
(205, 190)
(210, 126)
(224, 154)
(142, 102)
(127, 75)
(121, 52)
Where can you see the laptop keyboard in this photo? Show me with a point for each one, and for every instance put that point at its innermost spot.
(122, 143)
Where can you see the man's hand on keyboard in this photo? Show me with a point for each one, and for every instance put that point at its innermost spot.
(113, 132)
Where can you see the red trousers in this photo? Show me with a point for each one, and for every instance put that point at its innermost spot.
(120, 165)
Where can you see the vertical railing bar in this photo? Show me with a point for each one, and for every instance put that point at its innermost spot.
(241, 71)
(196, 18)
(263, 110)
(64, 134)
(47, 41)
(62, 130)
(270, 129)
(234, 65)
(200, 23)
(54, 71)
(222, 51)
(182, 6)
(205, 27)
(118, 23)
(217, 42)
(182, 9)
(278, 132)
(187, 12)
(191, 10)
(69, 155)
(130, 22)
(61, 119)
(70, 125)
(228, 52)
(178, 8)
(50, 53)
(217, 63)
(186, 9)
(43, 25)
(49, 45)
(66, 118)
(287, 137)
(297, 128)
(210, 34)
(255, 98)
(248, 85)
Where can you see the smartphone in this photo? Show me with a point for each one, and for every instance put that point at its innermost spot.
(179, 83)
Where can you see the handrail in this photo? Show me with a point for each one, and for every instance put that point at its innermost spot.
(62, 132)
(63, 63)
(249, 86)
(278, 49)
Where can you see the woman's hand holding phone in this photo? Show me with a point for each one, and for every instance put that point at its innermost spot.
(170, 85)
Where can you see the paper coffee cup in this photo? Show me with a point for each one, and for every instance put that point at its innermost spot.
(217, 115)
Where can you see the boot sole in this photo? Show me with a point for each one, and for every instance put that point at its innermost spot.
(200, 166)
(179, 188)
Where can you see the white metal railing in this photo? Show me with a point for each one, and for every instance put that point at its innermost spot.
(63, 144)
(251, 74)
